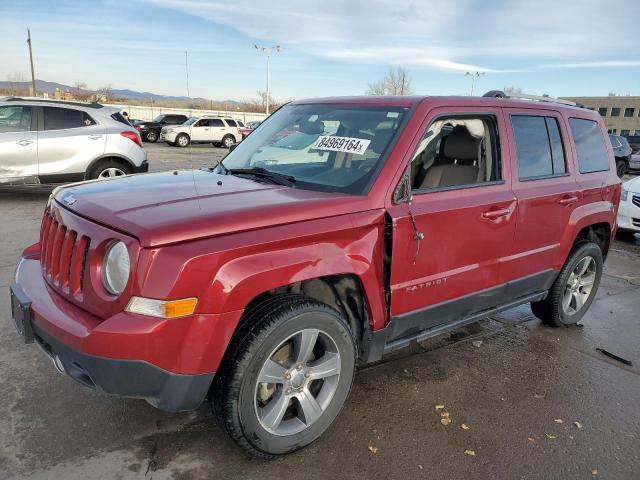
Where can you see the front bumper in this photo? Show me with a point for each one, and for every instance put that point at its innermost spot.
(629, 215)
(169, 363)
(169, 137)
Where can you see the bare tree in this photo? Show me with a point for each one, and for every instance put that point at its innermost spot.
(81, 93)
(512, 90)
(395, 82)
(17, 84)
(105, 94)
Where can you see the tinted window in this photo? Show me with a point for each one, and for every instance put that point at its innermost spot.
(614, 141)
(174, 119)
(592, 154)
(603, 111)
(61, 118)
(538, 146)
(15, 119)
(615, 112)
(231, 123)
(216, 122)
(203, 123)
(628, 112)
(118, 117)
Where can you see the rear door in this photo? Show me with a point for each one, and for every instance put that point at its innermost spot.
(448, 244)
(547, 194)
(18, 144)
(233, 128)
(69, 139)
(218, 129)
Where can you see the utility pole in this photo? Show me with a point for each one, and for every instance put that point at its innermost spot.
(186, 69)
(268, 50)
(33, 75)
(473, 76)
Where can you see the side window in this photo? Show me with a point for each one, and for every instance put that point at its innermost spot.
(216, 122)
(62, 118)
(231, 123)
(15, 119)
(539, 148)
(203, 123)
(457, 151)
(592, 154)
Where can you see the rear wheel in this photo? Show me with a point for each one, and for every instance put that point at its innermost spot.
(182, 140)
(109, 169)
(151, 136)
(228, 140)
(621, 168)
(286, 377)
(575, 288)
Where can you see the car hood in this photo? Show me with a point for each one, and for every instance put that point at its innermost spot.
(171, 207)
(632, 185)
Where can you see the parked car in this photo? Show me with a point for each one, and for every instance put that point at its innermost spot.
(629, 211)
(248, 128)
(215, 130)
(622, 152)
(260, 285)
(634, 142)
(44, 142)
(634, 163)
(150, 131)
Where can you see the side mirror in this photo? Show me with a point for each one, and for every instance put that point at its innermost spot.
(232, 147)
(402, 193)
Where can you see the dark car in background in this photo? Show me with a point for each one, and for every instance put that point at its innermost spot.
(150, 131)
(622, 151)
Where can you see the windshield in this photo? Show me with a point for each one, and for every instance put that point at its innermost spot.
(190, 121)
(324, 147)
(158, 119)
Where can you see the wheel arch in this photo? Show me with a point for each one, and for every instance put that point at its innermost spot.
(108, 156)
(594, 222)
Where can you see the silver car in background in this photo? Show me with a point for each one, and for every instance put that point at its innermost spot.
(46, 142)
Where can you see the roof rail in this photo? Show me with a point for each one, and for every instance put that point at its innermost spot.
(533, 98)
(55, 101)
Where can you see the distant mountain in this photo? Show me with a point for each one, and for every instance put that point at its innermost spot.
(50, 87)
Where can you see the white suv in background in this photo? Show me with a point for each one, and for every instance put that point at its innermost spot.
(629, 210)
(45, 142)
(216, 130)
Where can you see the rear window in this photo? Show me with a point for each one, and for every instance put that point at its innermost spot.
(539, 146)
(62, 118)
(118, 117)
(231, 123)
(592, 154)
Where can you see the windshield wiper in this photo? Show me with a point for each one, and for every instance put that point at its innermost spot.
(275, 177)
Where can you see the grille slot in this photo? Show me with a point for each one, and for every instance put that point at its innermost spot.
(63, 255)
(636, 200)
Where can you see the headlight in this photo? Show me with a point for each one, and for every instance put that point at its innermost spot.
(625, 195)
(116, 268)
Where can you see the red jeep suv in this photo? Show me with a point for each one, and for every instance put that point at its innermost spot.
(341, 229)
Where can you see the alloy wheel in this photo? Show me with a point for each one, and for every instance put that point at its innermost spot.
(297, 382)
(111, 172)
(228, 142)
(579, 286)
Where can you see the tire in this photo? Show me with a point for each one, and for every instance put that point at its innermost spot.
(182, 140)
(228, 140)
(621, 168)
(109, 169)
(552, 311)
(272, 330)
(152, 136)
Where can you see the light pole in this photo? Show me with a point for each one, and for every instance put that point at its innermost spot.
(268, 50)
(473, 76)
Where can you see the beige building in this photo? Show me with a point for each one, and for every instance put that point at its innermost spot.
(621, 113)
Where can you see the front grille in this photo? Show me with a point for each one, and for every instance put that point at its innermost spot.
(636, 200)
(63, 255)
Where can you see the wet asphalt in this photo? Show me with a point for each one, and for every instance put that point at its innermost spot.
(536, 402)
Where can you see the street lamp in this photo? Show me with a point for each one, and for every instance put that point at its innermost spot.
(473, 76)
(268, 51)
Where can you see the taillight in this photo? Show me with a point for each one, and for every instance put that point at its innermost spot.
(133, 136)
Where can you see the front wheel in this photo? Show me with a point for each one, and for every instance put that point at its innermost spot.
(286, 377)
(621, 168)
(151, 136)
(182, 140)
(575, 288)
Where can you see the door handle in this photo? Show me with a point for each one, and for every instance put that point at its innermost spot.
(24, 143)
(95, 137)
(494, 214)
(568, 200)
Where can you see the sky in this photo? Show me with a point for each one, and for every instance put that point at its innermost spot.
(329, 47)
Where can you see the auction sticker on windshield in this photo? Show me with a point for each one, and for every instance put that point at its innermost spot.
(342, 144)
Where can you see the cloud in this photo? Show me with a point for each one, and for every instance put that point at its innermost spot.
(595, 64)
(448, 35)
